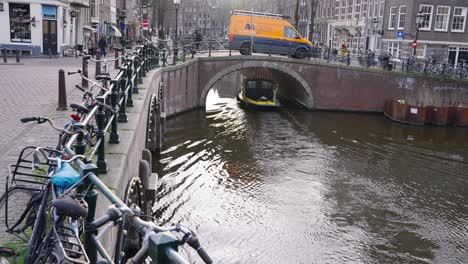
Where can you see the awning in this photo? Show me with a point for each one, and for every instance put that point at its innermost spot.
(115, 32)
(90, 28)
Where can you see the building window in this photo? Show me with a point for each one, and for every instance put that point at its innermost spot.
(394, 49)
(92, 6)
(392, 20)
(459, 19)
(442, 18)
(401, 17)
(421, 51)
(426, 12)
(20, 23)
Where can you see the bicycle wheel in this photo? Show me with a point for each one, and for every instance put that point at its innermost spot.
(128, 238)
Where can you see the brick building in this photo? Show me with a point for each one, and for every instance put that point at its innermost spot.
(442, 29)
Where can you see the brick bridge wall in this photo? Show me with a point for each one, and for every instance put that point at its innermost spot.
(326, 87)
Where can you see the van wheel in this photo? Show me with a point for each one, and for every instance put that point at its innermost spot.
(301, 54)
(245, 49)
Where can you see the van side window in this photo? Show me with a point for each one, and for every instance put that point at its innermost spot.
(289, 32)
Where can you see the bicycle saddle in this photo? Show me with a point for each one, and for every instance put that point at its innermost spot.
(66, 177)
(79, 108)
(67, 206)
(105, 77)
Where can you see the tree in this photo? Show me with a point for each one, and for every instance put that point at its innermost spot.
(313, 13)
(296, 14)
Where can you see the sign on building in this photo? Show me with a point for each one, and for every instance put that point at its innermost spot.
(400, 35)
(145, 24)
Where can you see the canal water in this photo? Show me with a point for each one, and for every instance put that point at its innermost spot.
(292, 186)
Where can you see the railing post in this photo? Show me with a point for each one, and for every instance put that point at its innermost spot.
(183, 54)
(100, 121)
(116, 63)
(98, 64)
(156, 57)
(80, 145)
(129, 82)
(461, 67)
(209, 49)
(137, 76)
(91, 200)
(114, 134)
(123, 95)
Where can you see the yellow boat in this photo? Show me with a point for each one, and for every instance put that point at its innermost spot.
(259, 93)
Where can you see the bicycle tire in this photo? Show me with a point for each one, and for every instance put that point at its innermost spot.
(133, 197)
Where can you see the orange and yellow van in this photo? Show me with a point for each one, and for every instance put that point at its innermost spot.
(265, 32)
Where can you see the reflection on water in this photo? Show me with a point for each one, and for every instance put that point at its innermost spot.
(315, 187)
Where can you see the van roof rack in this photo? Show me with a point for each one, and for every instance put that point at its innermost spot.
(260, 14)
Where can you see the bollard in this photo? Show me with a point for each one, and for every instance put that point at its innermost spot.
(116, 63)
(183, 54)
(164, 58)
(17, 56)
(98, 63)
(348, 59)
(174, 56)
(5, 60)
(229, 48)
(209, 49)
(62, 92)
(84, 71)
(269, 51)
(114, 134)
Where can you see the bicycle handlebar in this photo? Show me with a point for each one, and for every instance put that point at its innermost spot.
(29, 119)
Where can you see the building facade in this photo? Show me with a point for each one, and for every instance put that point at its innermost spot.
(442, 29)
(209, 18)
(358, 24)
(49, 27)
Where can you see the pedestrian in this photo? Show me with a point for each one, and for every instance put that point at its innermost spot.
(90, 46)
(102, 46)
(198, 38)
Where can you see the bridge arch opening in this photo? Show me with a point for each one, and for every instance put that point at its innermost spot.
(292, 87)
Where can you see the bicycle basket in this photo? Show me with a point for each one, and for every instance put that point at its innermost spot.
(23, 175)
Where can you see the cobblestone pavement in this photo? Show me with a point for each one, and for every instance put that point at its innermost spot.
(31, 89)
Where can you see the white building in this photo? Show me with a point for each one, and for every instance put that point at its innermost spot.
(39, 27)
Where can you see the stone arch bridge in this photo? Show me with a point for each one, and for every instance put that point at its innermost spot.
(315, 86)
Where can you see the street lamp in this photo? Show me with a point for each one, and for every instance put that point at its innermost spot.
(419, 19)
(177, 5)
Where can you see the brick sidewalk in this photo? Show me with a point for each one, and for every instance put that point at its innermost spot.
(31, 89)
